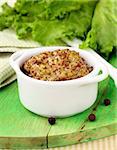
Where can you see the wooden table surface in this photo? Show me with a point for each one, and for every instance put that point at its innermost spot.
(20, 128)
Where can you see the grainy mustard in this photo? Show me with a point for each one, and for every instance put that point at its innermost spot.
(56, 65)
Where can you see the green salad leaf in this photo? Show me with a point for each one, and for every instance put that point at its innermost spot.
(103, 34)
(48, 32)
(76, 24)
(7, 17)
(50, 22)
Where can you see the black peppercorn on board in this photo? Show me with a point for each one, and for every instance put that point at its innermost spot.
(20, 128)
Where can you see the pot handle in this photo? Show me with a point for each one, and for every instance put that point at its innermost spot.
(14, 57)
(99, 77)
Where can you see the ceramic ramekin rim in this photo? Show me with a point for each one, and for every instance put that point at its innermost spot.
(96, 66)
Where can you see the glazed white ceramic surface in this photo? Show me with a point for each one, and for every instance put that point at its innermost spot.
(58, 98)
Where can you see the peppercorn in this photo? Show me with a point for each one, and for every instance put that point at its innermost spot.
(106, 102)
(91, 117)
(51, 120)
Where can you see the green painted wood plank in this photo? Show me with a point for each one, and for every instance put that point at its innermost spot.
(17, 122)
(78, 129)
(106, 122)
(106, 114)
(20, 128)
(79, 118)
(67, 131)
(93, 130)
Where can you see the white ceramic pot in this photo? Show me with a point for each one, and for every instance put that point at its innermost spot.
(57, 98)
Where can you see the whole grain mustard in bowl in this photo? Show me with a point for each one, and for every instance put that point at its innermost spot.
(58, 65)
(57, 81)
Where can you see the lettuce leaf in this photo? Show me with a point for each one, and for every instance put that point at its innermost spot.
(49, 21)
(48, 32)
(7, 16)
(103, 34)
(75, 24)
(79, 22)
(46, 9)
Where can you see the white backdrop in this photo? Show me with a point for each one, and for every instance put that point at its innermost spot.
(10, 2)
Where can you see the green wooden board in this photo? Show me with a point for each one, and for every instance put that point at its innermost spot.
(20, 128)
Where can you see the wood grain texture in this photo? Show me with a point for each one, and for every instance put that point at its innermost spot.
(79, 129)
(18, 125)
(20, 128)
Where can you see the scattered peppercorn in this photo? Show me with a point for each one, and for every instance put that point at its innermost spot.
(106, 102)
(91, 117)
(51, 120)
